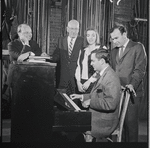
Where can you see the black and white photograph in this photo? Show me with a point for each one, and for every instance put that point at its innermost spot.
(75, 73)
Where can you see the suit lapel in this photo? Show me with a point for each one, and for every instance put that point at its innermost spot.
(127, 49)
(98, 82)
(75, 47)
(65, 45)
(116, 54)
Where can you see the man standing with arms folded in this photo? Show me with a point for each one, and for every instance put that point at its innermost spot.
(129, 60)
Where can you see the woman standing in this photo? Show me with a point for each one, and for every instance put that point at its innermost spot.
(84, 69)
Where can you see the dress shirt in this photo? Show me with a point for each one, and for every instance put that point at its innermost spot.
(101, 73)
(73, 41)
(24, 43)
(124, 46)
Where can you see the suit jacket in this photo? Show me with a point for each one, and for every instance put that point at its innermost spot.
(16, 48)
(131, 67)
(104, 105)
(67, 65)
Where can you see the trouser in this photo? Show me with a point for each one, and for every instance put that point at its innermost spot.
(130, 131)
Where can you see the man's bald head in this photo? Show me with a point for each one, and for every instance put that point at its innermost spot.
(73, 28)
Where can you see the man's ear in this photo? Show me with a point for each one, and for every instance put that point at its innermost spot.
(67, 29)
(125, 34)
(102, 60)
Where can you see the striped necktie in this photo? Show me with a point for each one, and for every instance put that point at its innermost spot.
(70, 47)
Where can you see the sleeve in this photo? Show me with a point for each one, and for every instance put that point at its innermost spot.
(55, 57)
(78, 69)
(37, 50)
(14, 51)
(26, 49)
(34, 47)
(112, 57)
(86, 97)
(140, 66)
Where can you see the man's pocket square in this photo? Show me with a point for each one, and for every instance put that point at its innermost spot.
(99, 90)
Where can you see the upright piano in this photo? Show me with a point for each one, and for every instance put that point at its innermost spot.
(38, 110)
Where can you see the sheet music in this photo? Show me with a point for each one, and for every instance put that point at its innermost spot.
(5, 52)
(36, 61)
(73, 104)
(38, 57)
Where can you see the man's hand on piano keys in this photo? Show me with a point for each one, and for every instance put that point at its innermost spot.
(86, 103)
(75, 96)
(44, 54)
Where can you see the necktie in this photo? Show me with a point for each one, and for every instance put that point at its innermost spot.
(70, 47)
(97, 77)
(121, 51)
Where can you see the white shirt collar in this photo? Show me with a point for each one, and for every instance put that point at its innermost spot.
(24, 43)
(126, 43)
(124, 46)
(101, 73)
(69, 38)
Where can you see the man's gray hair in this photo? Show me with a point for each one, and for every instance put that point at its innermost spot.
(19, 28)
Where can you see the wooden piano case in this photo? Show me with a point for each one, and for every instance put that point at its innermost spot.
(68, 116)
(35, 116)
(32, 102)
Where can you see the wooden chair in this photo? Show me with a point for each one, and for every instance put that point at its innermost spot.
(122, 112)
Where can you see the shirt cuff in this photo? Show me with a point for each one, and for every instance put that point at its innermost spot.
(82, 98)
(92, 79)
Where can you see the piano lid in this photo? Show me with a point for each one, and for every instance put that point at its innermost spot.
(64, 100)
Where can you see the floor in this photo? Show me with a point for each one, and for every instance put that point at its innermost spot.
(143, 130)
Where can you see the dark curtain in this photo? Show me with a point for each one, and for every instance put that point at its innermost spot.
(95, 13)
(138, 31)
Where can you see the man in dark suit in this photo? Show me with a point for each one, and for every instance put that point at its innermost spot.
(66, 55)
(24, 44)
(21, 48)
(129, 60)
(103, 100)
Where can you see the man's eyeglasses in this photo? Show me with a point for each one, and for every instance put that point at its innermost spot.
(26, 32)
(75, 29)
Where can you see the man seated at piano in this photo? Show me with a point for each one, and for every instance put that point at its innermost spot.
(103, 100)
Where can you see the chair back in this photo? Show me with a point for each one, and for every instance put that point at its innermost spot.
(121, 100)
(125, 96)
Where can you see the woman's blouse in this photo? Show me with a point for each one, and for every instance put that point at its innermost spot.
(84, 69)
